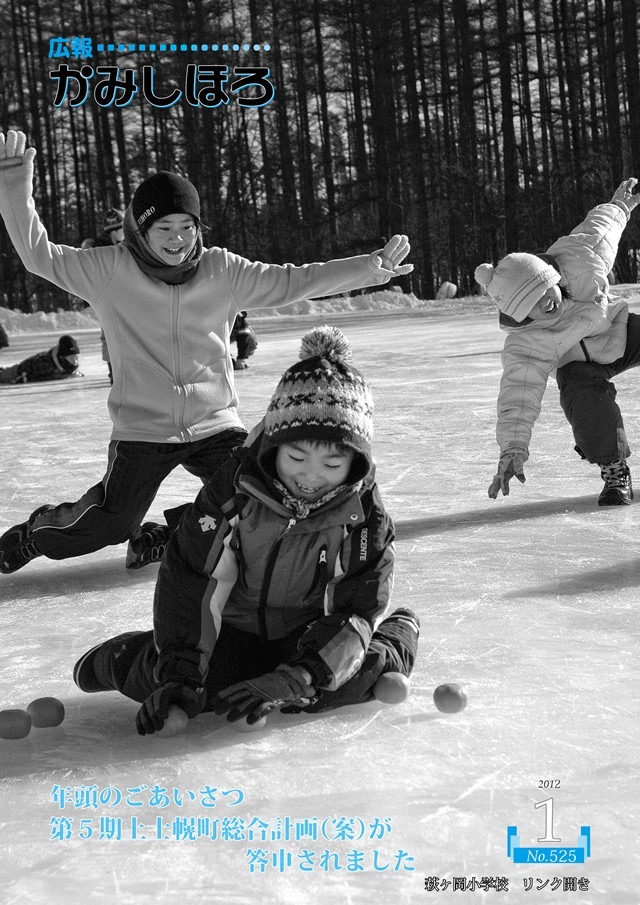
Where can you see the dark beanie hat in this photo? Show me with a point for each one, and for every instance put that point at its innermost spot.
(322, 398)
(68, 346)
(162, 194)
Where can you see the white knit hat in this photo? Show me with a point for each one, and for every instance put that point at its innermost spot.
(517, 283)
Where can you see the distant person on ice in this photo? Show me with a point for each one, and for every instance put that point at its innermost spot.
(166, 305)
(275, 586)
(57, 363)
(112, 231)
(558, 312)
(245, 339)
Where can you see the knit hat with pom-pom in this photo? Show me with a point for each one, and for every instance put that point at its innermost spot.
(322, 398)
(517, 283)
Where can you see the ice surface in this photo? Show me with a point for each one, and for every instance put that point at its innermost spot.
(530, 602)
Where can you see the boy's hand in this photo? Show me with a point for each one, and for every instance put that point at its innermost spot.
(151, 716)
(624, 193)
(254, 698)
(13, 150)
(391, 256)
(511, 465)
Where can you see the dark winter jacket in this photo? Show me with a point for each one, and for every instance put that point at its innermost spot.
(41, 366)
(240, 557)
(244, 336)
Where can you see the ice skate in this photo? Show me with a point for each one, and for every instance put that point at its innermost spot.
(17, 547)
(149, 546)
(617, 490)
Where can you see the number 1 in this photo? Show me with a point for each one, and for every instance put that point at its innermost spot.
(548, 828)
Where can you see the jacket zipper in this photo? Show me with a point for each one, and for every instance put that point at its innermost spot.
(264, 590)
(182, 393)
(320, 577)
(322, 564)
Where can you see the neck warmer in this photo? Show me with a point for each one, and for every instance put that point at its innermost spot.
(302, 508)
(149, 263)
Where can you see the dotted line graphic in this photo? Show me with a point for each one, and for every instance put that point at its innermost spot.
(135, 48)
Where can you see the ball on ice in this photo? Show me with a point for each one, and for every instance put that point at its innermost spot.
(46, 712)
(450, 698)
(14, 723)
(392, 688)
(175, 723)
(241, 725)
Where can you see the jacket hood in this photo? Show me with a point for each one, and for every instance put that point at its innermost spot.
(258, 466)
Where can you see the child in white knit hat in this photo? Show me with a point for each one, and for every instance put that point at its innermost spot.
(275, 586)
(560, 317)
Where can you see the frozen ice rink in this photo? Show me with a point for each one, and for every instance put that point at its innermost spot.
(530, 602)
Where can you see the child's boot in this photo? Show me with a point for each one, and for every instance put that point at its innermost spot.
(17, 546)
(148, 546)
(105, 666)
(617, 490)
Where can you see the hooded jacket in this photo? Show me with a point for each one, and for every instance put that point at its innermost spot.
(169, 344)
(591, 325)
(241, 557)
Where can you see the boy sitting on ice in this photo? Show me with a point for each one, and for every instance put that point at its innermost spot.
(275, 586)
(558, 312)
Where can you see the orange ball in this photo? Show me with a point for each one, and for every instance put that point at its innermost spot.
(392, 688)
(450, 698)
(14, 723)
(46, 712)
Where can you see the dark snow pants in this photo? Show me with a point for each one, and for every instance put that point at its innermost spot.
(111, 512)
(126, 663)
(588, 399)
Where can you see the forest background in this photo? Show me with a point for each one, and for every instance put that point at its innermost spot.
(475, 127)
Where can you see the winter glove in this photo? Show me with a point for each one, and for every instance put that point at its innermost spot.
(254, 698)
(511, 465)
(624, 197)
(391, 256)
(151, 716)
(14, 153)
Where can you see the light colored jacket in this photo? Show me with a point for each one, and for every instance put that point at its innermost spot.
(590, 326)
(169, 345)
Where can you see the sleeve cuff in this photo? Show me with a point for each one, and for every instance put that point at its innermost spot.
(622, 206)
(378, 269)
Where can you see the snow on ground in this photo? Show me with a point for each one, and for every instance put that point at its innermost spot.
(531, 602)
(384, 300)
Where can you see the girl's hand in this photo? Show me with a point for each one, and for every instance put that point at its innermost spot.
(511, 465)
(13, 150)
(624, 193)
(391, 256)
